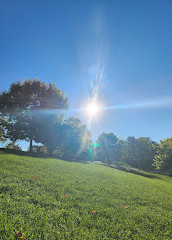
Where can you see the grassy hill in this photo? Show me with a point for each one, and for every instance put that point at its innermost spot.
(51, 199)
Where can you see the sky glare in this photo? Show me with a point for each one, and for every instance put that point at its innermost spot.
(117, 52)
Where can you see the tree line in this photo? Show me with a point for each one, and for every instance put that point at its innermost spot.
(141, 153)
(33, 111)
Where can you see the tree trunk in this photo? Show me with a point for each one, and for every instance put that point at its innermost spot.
(30, 149)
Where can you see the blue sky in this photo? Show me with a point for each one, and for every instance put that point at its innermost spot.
(120, 48)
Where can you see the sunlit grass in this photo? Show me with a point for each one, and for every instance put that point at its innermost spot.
(54, 199)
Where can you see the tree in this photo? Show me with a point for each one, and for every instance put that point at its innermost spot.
(2, 134)
(163, 158)
(139, 152)
(64, 138)
(76, 139)
(110, 148)
(50, 130)
(146, 152)
(21, 104)
(129, 153)
(2, 128)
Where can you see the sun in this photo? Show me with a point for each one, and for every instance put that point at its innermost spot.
(92, 109)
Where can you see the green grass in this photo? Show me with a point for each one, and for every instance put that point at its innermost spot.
(38, 207)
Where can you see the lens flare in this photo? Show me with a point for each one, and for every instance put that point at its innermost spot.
(92, 109)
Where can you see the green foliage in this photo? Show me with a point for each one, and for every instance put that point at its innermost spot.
(64, 138)
(39, 208)
(21, 103)
(58, 153)
(13, 145)
(39, 149)
(139, 152)
(3, 121)
(75, 139)
(49, 130)
(2, 134)
(163, 159)
(110, 148)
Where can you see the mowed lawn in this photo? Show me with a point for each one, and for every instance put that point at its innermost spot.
(51, 199)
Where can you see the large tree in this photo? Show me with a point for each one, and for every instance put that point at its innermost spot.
(21, 104)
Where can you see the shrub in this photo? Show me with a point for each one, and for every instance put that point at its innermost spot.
(14, 146)
(39, 149)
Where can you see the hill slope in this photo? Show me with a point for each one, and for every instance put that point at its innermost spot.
(51, 199)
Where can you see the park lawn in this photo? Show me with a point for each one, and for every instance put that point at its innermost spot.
(51, 199)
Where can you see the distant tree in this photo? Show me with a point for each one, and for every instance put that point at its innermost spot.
(139, 152)
(110, 148)
(146, 151)
(21, 104)
(163, 158)
(129, 153)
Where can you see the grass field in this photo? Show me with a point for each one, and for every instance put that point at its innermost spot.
(51, 199)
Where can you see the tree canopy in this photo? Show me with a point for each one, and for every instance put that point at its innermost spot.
(20, 103)
(69, 136)
(163, 158)
(139, 152)
(110, 147)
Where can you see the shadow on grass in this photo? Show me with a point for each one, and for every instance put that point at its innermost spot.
(137, 172)
(38, 155)
(23, 153)
(134, 171)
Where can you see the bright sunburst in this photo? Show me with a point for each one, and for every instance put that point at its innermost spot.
(92, 109)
